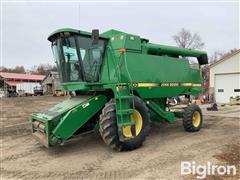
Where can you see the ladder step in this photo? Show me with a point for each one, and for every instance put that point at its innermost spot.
(125, 112)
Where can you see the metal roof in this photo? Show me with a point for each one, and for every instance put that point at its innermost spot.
(12, 83)
(224, 58)
(7, 75)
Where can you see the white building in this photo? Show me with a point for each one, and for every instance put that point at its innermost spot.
(225, 78)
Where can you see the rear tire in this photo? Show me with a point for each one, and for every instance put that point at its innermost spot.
(192, 118)
(109, 129)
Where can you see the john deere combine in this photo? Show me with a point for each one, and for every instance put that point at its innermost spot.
(117, 80)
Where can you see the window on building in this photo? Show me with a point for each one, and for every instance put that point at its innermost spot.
(236, 90)
(220, 90)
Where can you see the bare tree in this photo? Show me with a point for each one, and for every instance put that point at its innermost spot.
(186, 39)
(16, 69)
(215, 56)
(43, 69)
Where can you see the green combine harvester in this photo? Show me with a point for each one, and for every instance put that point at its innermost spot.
(117, 81)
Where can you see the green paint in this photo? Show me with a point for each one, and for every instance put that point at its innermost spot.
(77, 117)
(151, 71)
(168, 116)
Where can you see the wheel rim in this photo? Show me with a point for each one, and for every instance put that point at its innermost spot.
(138, 125)
(196, 119)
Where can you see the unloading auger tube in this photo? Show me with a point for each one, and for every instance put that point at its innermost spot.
(121, 83)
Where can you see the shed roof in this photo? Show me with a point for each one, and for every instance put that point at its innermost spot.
(224, 58)
(11, 83)
(50, 75)
(8, 75)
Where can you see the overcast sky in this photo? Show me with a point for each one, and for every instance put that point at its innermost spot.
(26, 26)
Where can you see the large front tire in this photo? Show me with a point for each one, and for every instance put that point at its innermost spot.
(109, 129)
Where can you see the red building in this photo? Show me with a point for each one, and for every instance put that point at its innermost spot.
(8, 81)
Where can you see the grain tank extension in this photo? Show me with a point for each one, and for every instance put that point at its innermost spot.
(117, 80)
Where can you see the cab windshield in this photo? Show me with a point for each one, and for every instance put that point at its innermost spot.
(78, 59)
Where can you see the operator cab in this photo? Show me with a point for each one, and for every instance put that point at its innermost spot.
(79, 55)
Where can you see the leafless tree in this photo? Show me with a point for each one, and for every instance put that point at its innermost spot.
(215, 56)
(16, 69)
(43, 69)
(186, 39)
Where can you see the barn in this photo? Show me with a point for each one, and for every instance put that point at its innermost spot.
(225, 78)
(51, 83)
(9, 81)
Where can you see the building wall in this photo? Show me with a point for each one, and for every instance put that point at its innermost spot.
(231, 65)
(51, 83)
(226, 86)
(224, 79)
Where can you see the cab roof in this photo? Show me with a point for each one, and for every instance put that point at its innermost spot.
(66, 31)
(105, 35)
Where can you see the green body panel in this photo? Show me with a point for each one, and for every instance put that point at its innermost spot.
(122, 40)
(62, 120)
(168, 116)
(160, 92)
(130, 65)
(156, 69)
(50, 118)
(78, 116)
(60, 109)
